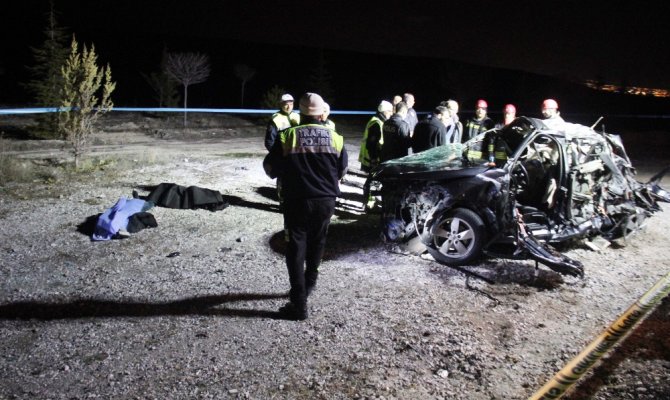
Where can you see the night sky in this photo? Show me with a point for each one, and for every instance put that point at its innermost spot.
(380, 47)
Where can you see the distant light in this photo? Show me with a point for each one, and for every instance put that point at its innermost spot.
(632, 90)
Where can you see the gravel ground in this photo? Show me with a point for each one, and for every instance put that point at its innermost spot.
(122, 320)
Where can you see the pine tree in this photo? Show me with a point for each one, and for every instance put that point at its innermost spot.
(271, 98)
(163, 84)
(83, 82)
(46, 73)
(320, 79)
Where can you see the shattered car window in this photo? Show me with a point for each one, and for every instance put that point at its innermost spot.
(433, 159)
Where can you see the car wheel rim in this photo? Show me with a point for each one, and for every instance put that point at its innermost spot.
(454, 238)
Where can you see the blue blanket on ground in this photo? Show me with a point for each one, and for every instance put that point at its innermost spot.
(116, 218)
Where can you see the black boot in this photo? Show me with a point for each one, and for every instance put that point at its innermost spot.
(293, 312)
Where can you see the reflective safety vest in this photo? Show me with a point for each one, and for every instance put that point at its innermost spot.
(329, 124)
(283, 121)
(315, 159)
(364, 153)
(475, 127)
(498, 151)
(501, 151)
(309, 138)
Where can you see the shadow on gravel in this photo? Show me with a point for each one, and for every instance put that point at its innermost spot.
(239, 202)
(268, 192)
(204, 305)
(505, 272)
(343, 209)
(343, 238)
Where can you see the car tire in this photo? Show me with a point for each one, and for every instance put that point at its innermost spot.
(457, 237)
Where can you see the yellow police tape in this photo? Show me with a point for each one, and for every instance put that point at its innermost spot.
(617, 331)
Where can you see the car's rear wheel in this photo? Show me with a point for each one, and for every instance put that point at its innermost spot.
(458, 236)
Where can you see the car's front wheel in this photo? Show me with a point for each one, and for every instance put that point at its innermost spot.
(458, 237)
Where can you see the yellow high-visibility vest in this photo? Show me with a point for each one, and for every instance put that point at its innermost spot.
(364, 153)
(283, 121)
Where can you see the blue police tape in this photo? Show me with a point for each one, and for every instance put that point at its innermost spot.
(245, 111)
(28, 110)
(173, 110)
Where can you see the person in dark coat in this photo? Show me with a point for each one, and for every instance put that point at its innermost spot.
(454, 125)
(397, 139)
(431, 132)
(282, 119)
(411, 117)
(479, 123)
(311, 160)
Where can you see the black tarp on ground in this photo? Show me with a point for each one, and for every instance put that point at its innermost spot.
(171, 195)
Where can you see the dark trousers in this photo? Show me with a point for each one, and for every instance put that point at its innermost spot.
(306, 222)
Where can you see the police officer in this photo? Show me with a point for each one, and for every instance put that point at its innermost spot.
(281, 120)
(396, 135)
(310, 159)
(371, 144)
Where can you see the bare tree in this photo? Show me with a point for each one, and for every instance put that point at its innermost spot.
(188, 69)
(244, 73)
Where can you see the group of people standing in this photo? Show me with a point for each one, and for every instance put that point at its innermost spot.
(402, 133)
(308, 158)
(395, 131)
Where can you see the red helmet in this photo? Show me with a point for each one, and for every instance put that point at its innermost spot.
(482, 104)
(549, 103)
(509, 108)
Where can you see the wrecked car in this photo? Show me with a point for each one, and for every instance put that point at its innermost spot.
(512, 192)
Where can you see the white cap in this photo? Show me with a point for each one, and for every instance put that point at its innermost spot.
(385, 106)
(286, 97)
(311, 104)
